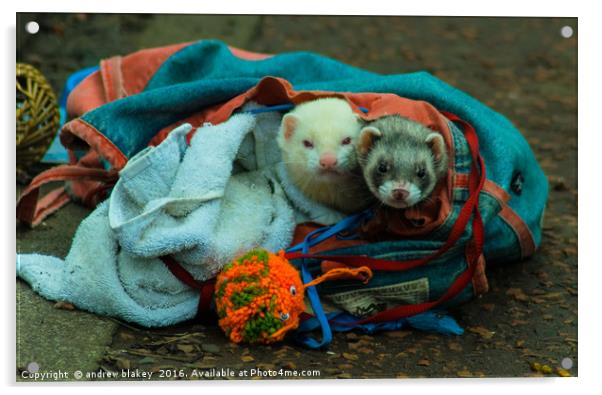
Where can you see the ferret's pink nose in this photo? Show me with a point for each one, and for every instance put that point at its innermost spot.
(400, 194)
(328, 161)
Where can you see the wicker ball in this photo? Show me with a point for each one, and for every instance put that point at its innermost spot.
(38, 116)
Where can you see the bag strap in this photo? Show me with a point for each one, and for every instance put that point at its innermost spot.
(206, 288)
(32, 211)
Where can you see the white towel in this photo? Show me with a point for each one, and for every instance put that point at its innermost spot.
(183, 201)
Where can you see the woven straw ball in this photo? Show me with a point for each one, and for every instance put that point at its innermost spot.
(38, 116)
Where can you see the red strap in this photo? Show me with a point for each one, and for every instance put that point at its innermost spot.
(31, 211)
(474, 247)
(206, 288)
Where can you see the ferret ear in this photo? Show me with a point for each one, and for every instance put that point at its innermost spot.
(437, 144)
(368, 136)
(289, 125)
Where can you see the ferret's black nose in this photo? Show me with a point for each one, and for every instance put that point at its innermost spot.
(400, 194)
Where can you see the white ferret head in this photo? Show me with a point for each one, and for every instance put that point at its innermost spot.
(318, 138)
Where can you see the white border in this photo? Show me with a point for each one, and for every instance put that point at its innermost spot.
(312, 7)
(589, 200)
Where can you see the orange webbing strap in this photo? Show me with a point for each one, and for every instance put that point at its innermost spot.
(474, 247)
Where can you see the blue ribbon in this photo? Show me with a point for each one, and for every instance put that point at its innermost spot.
(283, 107)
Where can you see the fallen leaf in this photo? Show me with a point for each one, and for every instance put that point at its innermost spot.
(520, 343)
(483, 332)
(247, 358)
(412, 350)
(424, 362)
(64, 306)
(563, 373)
(517, 294)
(537, 367)
(350, 357)
(398, 334)
(455, 346)
(352, 336)
(552, 295)
(186, 348)
(464, 373)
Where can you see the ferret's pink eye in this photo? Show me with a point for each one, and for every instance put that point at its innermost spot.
(346, 141)
(308, 144)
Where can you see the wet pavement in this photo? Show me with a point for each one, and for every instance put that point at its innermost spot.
(527, 323)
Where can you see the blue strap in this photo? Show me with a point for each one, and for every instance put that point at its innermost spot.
(283, 107)
(280, 107)
(314, 238)
(316, 306)
(430, 321)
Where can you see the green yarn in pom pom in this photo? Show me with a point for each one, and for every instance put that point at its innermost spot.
(244, 297)
(259, 327)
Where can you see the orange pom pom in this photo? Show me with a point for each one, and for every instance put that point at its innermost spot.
(259, 297)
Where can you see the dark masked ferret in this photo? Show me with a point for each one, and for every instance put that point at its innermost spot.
(402, 160)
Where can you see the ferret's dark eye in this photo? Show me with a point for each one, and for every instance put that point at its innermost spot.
(421, 172)
(346, 141)
(308, 144)
(383, 167)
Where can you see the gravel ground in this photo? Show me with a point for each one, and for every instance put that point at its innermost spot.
(521, 67)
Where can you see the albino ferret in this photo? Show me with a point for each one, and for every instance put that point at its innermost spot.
(317, 140)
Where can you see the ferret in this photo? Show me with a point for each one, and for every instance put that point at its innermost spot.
(317, 140)
(402, 161)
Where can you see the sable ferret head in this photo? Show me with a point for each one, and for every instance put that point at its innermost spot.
(401, 160)
(317, 139)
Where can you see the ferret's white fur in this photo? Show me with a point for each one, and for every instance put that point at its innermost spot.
(325, 123)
